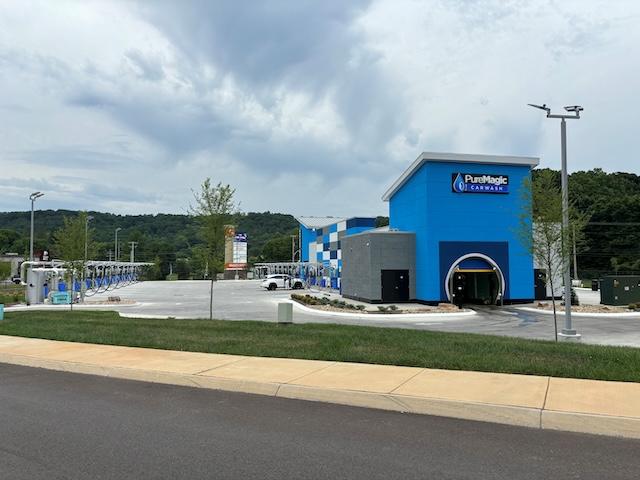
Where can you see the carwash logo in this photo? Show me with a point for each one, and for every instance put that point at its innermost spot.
(479, 183)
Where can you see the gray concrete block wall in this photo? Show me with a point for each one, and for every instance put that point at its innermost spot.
(366, 254)
(356, 267)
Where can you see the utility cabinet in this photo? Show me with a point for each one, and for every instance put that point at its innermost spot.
(620, 289)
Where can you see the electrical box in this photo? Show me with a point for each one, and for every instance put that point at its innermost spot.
(61, 298)
(620, 289)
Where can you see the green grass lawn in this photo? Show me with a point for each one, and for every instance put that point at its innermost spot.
(457, 351)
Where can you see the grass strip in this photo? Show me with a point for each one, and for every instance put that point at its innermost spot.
(389, 346)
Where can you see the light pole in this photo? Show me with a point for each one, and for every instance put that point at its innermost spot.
(133, 251)
(568, 331)
(86, 237)
(83, 288)
(293, 248)
(33, 197)
(116, 245)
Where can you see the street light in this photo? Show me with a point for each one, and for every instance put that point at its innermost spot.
(568, 331)
(86, 237)
(33, 197)
(83, 288)
(116, 249)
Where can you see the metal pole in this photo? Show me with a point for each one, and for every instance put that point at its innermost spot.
(133, 251)
(31, 241)
(117, 253)
(567, 330)
(575, 256)
(574, 111)
(83, 286)
(86, 237)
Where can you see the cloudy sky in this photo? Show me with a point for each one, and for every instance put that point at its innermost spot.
(306, 107)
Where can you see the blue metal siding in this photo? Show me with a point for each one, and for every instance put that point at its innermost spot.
(361, 222)
(307, 235)
(408, 212)
(322, 238)
(426, 205)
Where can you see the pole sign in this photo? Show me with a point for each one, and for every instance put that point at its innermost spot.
(479, 183)
(238, 254)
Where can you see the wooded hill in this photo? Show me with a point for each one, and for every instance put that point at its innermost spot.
(166, 238)
(612, 236)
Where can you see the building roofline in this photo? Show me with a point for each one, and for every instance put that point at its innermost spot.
(323, 221)
(382, 231)
(458, 158)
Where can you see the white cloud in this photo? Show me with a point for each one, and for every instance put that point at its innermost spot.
(306, 107)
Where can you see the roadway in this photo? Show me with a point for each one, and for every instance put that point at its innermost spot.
(57, 425)
(246, 300)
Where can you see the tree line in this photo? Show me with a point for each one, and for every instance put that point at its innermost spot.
(611, 238)
(610, 202)
(173, 242)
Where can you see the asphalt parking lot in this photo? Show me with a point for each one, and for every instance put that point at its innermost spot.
(246, 300)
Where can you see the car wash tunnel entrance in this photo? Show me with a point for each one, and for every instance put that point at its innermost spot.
(475, 279)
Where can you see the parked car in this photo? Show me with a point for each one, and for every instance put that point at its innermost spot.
(16, 280)
(282, 281)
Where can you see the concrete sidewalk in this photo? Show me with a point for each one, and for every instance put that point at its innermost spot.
(608, 408)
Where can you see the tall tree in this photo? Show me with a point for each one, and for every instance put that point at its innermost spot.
(549, 244)
(278, 249)
(214, 208)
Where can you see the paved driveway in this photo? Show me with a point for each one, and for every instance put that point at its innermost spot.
(246, 300)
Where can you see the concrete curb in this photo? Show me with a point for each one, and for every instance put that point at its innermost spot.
(27, 308)
(504, 414)
(152, 316)
(583, 314)
(378, 316)
(536, 416)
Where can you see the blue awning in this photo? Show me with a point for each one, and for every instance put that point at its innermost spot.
(474, 264)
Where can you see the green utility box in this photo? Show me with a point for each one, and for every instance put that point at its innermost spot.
(620, 289)
(60, 298)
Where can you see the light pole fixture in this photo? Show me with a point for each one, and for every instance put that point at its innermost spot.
(33, 197)
(574, 113)
(116, 244)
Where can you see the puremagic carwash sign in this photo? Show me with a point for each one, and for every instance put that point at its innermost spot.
(479, 183)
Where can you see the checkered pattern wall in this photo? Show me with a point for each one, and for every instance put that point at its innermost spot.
(328, 244)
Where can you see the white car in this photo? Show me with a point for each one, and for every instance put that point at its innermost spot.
(282, 281)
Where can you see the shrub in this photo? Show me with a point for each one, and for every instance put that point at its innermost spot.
(383, 309)
(574, 298)
(336, 303)
(393, 308)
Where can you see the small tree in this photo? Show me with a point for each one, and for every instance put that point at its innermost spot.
(214, 207)
(5, 270)
(545, 239)
(70, 247)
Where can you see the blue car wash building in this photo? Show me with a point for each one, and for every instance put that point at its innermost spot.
(454, 223)
(321, 246)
